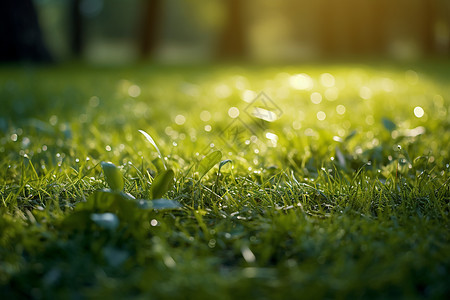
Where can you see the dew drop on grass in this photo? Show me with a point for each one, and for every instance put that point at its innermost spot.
(154, 222)
(14, 137)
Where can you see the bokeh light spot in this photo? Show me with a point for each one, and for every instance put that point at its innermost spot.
(411, 77)
(248, 96)
(327, 80)
(94, 101)
(134, 91)
(233, 112)
(418, 111)
(180, 119)
(205, 116)
(222, 91)
(340, 109)
(331, 93)
(321, 116)
(365, 93)
(316, 98)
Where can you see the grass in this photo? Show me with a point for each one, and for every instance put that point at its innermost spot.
(344, 194)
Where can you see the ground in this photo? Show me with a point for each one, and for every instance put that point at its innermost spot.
(314, 181)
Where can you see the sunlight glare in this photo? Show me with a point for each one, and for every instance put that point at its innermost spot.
(301, 82)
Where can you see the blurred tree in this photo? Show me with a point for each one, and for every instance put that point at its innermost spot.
(151, 13)
(20, 34)
(77, 41)
(353, 27)
(232, 43)
(428, 13)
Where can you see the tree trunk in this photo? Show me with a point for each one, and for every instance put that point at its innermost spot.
(20, 34)
(77, 42)
(232, 44)
(428, 42)
(149, 33)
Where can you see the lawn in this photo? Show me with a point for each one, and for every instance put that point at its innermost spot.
(255, 182)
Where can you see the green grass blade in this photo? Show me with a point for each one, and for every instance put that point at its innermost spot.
(161, 184)
(150, 139)
(224, 162)
(113, 176)
(208, 162)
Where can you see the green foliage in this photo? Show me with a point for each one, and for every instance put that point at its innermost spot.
(352, 206)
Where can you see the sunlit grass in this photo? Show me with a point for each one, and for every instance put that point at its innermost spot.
(338, 183)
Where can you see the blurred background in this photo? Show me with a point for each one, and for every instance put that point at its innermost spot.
(262, 31)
